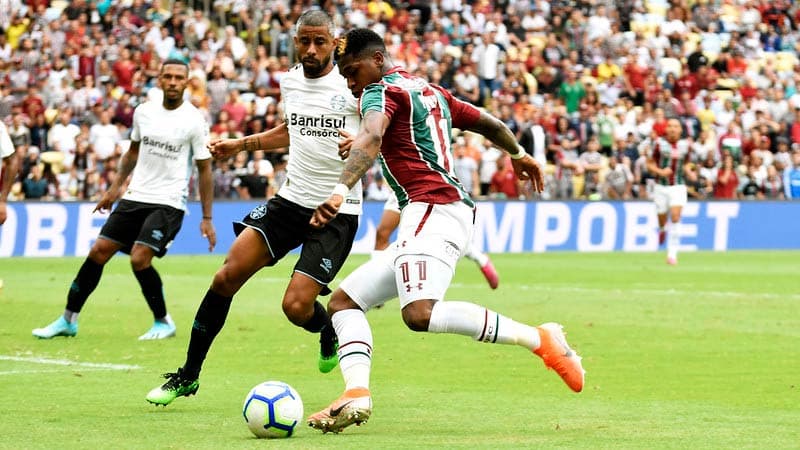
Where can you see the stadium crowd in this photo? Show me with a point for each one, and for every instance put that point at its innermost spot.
(586, 85)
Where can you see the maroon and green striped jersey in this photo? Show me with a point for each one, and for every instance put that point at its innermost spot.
(416, 154)
(672, 155)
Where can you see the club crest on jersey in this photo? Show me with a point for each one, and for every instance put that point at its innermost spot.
(258, 212)
(338, 102)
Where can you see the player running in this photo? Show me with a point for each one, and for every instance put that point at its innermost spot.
(317, 105)
(667, 161)
(409, 121)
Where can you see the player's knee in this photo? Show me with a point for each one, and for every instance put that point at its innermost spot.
(417, 315)
(140, 261)
(340, 301)
(225, 282)
(298, 310)
(102, 251)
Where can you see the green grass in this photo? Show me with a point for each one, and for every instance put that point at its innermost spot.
(703, 355)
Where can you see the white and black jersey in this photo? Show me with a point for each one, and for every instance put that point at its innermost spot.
(315, 110)
(169, 143)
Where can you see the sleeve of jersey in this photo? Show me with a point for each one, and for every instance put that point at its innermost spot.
(200, 140)
(464, 114)
(6, 145)
(375, 98)
(136, 133)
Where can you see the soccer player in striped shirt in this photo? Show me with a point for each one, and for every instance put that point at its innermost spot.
(667, 161)
(409, 122)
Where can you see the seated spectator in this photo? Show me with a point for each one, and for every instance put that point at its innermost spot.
(35, 186)
(504, 183)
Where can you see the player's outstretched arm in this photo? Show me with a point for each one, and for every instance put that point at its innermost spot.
(363, 151)
(275, 138)
(126, 166)
(524, 165)
(206, 198)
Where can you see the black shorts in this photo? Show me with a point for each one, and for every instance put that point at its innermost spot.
(143, 223)
(284, 226)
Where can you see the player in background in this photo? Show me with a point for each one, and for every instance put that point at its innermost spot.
(391, 219)
(667, 161)
(317, 105)
(165, 139)
(409, 122)
(8, 172)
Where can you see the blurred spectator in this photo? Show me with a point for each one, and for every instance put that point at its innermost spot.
(727, 180)
(466, 169)
(504, 184)
(62, 137)
(615, 70)
(791, 177)
(591, 162)
(619, 179)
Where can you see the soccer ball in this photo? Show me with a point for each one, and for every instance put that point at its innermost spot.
(272, 409)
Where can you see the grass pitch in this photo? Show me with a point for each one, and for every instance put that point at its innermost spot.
(703, 355)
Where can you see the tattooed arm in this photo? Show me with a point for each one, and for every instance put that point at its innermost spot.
(365, 148)
(275, 138)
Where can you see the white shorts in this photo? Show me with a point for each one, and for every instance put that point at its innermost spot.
(420, 264)
(392, 204)
(666, 197)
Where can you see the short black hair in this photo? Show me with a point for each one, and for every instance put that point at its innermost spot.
(174, 62)
(315, 18)
(359, 42)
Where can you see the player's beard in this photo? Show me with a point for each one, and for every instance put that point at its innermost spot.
(313, 68)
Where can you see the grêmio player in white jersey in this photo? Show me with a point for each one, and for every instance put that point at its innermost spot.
(166, 139)
(319, 110)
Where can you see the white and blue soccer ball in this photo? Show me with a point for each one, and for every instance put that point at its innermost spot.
(272, 409)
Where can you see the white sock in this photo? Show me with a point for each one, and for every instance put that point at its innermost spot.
(355, 347)
(481, 324)
(673, 239)
(480, 258)
(70, 316)
(166, 319)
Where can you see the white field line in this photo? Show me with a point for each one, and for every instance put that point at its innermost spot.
(18, 372)
(61, 362)
(645, 292)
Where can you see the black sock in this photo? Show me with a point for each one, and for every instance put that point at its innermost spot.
(83, 285)
(317, 321)
(321, 323)
(208, 322)
(153, 291)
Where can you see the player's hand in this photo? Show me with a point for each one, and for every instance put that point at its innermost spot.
(345, 144)
(666, 172)
(326, 211)
(106, 202)
(527, 168)
(208, 232)
(224, 148)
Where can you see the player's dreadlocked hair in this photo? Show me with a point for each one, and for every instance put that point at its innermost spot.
(358, 42)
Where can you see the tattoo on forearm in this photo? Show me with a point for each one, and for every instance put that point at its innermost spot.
(250, 144)
(356, 166)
